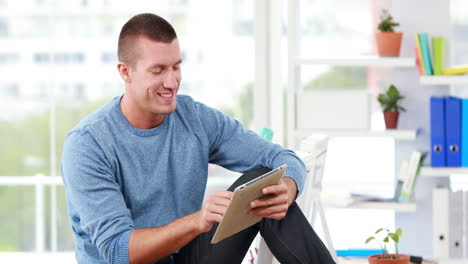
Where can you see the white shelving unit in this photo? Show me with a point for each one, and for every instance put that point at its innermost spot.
(444, 79)
(364, 61)
(296, 62)
(359, 61)
(442, 171)
(392, 133)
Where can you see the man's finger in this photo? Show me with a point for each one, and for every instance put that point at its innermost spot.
(222, 194)
(221, 201)
(269, 200)
(217, 200)
(267, 211)
(217, 209)
(275, 189)
(211, 217)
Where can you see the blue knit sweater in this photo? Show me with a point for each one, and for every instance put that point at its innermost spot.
(119, 178)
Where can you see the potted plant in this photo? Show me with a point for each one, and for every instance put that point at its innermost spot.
(389, 100)
(388, 41)
(385, 257)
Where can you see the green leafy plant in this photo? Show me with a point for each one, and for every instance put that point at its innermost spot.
(386, 23)
(390, 99)
(386, 239)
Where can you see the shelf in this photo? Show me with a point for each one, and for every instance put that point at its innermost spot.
(444, 79)
(361, 61)
(392, 133)
(401, 207)
(442, 171)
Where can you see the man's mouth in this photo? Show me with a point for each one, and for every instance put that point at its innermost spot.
(165, 95)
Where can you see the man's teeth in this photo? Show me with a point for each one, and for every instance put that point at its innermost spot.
(166, 95)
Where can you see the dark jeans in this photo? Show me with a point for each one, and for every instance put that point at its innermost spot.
(291, 240)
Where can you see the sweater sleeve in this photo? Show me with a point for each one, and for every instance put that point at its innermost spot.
(238, 149)
(96, 196)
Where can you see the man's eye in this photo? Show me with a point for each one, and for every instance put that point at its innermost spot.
(156, 72)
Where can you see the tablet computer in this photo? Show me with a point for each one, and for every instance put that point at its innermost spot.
(235, 218)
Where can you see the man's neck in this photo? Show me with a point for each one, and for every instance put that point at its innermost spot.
(138, 117)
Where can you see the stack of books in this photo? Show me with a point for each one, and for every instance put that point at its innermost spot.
(432, 63)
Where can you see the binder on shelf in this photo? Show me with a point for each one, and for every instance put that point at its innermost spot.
(438, 152)
(456, 245)
(464, 136)
(453, 131)
(426, 53)
(438, 48)
(440, 213)
(401, 180)
(414, 167)
(419, 56)
(418, 62)
(465, 222)
(455, 70)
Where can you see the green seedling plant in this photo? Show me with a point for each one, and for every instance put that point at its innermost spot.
(390, 100)
(386, 23)
(388, 236)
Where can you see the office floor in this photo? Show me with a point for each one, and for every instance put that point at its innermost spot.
(69, 257)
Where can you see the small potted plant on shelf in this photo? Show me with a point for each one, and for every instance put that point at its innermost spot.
(389, 100)
(385, 257)
(388, 41)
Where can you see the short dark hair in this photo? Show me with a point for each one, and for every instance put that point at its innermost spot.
(148, 25)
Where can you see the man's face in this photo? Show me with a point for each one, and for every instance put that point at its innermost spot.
(155, 76)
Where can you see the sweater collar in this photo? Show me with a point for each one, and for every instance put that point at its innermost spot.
(136, 131)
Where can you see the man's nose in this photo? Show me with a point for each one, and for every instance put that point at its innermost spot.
(171, 80)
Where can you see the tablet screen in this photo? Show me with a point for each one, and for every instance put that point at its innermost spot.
(235, 218)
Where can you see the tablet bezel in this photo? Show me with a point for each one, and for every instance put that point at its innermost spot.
(236, 219)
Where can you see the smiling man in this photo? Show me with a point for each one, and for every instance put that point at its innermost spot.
(135, 171)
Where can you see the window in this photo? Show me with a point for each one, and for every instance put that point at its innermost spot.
(4, 30)
(69, 58)
(242, 18)
(41, 58)
(59, 58)
(9, 89)
(37, 112)
(9, 58)
(109, 57)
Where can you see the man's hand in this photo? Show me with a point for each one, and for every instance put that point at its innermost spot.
(213, 209)
(276, 201)
(149, 244)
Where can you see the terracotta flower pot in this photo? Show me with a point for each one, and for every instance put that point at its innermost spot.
(388, 43)
(374, 259)
(391, 119)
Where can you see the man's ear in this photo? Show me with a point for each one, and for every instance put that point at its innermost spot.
(124, 71)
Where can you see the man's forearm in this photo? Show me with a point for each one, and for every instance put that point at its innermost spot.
(150, 244)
